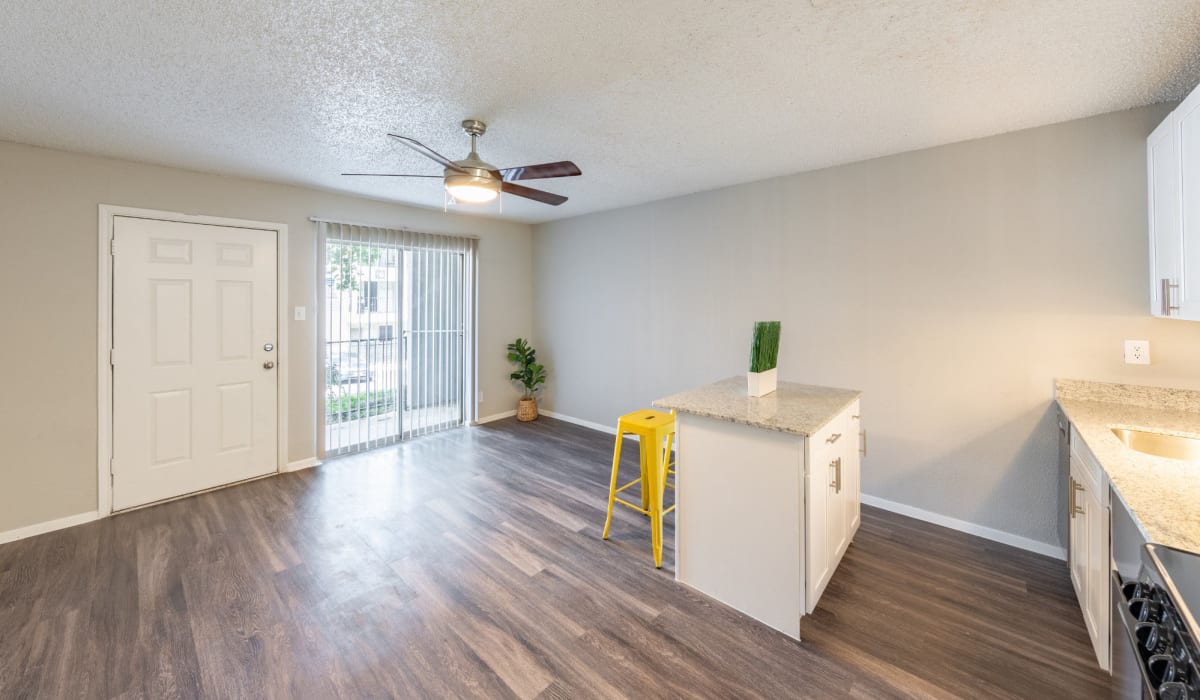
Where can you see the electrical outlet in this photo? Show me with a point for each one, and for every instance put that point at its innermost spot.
(301, 313)
(1137, 352)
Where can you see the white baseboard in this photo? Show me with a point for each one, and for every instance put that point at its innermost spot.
(495, 417)
(969, 528)
(911, 511)
(610, 429)
(48, 526)
(299, 464)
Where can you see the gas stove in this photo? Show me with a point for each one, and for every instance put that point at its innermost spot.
(1156, 612)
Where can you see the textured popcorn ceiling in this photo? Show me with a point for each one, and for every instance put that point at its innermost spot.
(650, 98)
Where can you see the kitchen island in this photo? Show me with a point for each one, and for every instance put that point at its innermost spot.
(767, 494)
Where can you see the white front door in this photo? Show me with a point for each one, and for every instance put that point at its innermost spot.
(194, 379)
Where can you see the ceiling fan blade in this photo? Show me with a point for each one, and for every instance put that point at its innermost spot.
(392, 175)
(530, 193)
(563, 168)
(426, 151)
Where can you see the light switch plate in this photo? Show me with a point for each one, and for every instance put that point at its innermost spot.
(301, 312)
(1137, 352)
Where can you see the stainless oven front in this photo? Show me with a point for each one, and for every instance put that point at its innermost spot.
(1153, 630)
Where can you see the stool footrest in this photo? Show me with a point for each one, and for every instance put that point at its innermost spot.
(635, 481)
(638, 508)
(668, 510)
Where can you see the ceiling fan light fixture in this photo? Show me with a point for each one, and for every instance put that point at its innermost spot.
(471, 188)
(475, 181)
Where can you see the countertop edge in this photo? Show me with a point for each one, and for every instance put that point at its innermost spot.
(839, 401)
(1058, 400)
(1083, 424)
(800, 432)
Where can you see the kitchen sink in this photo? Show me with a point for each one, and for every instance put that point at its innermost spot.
(1159, 444)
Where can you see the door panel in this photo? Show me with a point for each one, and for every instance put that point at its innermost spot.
(170, 426)
(839, 523)
(1097, 573)
(1166, 232)
(1077, 533)
(235, 326)
(852, 472)
(1187, 244)
(171, 324)
(194, 407)
(817, 557)
(237, 415)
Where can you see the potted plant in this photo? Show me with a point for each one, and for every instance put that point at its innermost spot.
(530, 374)
(764, 353)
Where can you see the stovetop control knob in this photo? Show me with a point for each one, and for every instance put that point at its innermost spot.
(1145, 610)
(1148, 635)
(1162, 667)
(1173, 690)
(1133, 589)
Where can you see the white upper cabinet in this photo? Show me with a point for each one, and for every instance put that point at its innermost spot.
(1173, 173)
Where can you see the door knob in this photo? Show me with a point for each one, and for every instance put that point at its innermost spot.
(268, 365)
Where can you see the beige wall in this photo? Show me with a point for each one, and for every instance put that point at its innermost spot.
(951, 285)
(48, 232)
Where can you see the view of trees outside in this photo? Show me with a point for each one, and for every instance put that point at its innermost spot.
(393, 355)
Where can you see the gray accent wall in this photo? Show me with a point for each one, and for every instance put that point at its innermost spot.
(48, 246)
(951, 285)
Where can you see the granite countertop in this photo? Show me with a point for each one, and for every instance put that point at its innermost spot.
(799, 409)
(1163, 495)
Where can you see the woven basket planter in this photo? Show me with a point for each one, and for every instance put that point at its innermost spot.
(527, 410)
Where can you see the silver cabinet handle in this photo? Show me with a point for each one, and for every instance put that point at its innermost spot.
(863, 451)
(1071, 495)
(1167, 308)
(836, 465)
(268, 365)
(833, 438)
(1076, 509)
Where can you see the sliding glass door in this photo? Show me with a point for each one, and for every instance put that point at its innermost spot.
(397, 347)
(434, 333)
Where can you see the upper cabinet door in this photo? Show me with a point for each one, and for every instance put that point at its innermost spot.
(1173, 178)
(1186, 295)
(1163, 170)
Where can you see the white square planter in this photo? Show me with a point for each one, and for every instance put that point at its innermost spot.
(761, 383)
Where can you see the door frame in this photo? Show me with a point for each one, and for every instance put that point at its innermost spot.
(104, 327)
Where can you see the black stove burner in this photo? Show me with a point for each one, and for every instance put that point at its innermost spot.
(1168, 653)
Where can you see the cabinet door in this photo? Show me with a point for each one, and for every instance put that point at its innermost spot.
(833, 500)
(839, 522)
(1097, 608)
(852, 490)
(1164, 182)
(818, 560)
(1078, 532)
(1187, 268)
(1086, 518)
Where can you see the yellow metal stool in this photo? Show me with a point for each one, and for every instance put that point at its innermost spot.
(654, 429)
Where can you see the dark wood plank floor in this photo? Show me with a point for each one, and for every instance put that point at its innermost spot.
(469, 564)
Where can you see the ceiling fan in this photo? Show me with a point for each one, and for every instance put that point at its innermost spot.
(473, 180)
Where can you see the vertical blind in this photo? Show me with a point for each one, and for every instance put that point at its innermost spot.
(397, 324)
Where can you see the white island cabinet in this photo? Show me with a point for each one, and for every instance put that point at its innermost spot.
(768, 494)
